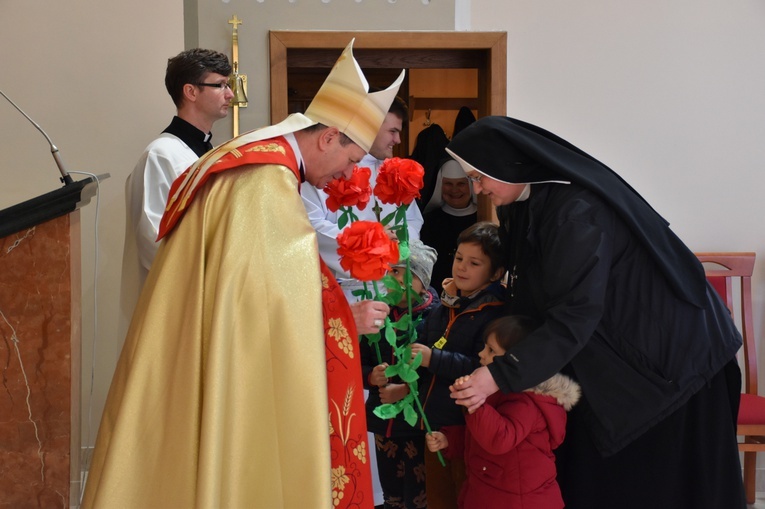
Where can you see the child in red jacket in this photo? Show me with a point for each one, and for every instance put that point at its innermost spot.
(508, 442)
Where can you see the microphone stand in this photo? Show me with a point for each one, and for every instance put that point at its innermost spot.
(65, 178)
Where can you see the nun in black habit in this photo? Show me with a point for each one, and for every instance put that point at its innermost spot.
(626, 311)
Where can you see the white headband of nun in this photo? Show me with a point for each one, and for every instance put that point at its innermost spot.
(469, 167)
(451, 170)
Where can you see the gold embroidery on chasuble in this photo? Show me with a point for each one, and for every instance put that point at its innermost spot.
(360, 451)
(271, 147)
(338, 331)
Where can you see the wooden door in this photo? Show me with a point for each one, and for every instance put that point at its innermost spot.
(300, 60)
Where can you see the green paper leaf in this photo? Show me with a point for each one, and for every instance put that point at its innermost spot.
(403, 250)
(392, 370)
(413, 337)
(391, 299)
(403, 322)
(343, 220)
(372, 338)
(393, 292)
(417, 361)
(410, 415)
(390, 282)
(386, 411)
(390, 334)
(408, 373)
(387, 219)
(401, 214)
(362, 294)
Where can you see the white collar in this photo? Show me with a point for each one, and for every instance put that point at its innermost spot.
(290, 137)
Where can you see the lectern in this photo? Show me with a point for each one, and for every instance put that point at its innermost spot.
(40, 333)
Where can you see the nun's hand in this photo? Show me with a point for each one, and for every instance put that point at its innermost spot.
(472, 391)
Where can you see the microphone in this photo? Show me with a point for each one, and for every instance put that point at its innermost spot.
(65, 178)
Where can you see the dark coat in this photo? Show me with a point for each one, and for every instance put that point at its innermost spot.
(397, 426)
(429, 152)
(462, 325)
(610, 317)
(508, 445)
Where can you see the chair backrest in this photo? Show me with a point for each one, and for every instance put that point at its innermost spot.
(721, 270)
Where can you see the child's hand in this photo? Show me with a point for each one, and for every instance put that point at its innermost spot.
(457, 385)
(377, 375)
(393, 392)
(436, 441)
(426, 353)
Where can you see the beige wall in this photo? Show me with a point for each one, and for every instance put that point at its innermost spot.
(90, 74)
(261, 16)
(668, 93)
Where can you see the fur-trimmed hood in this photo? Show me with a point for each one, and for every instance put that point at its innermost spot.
(554, 397)
(544, 405)
(565, 390)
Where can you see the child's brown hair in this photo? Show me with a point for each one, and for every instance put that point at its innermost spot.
(486, 235)
(510, 330)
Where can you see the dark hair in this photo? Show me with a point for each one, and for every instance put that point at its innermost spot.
(486, 235)
(509, 330)
(190, 66)
(398, 108)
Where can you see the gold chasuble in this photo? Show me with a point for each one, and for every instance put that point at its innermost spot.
(239, 384)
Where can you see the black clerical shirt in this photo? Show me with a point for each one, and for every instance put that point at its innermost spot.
(197, 141)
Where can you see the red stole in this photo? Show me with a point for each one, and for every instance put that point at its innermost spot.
(351, 475)
(184, 188)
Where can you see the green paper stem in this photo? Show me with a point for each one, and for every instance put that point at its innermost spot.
(425, 419)
(376, 343)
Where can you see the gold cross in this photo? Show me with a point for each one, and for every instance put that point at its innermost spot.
(235, 21)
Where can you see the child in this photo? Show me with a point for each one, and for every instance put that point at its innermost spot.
(450, 342)
(508, 442)
(399, 446)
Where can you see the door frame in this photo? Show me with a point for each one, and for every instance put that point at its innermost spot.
(485, 51)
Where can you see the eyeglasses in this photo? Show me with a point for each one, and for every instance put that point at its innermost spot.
(215, 85)
(475, 179)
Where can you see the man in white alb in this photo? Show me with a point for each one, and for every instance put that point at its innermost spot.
(325, 222)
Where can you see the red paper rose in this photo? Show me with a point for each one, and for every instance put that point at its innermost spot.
(353, 192)
(399, 181)
(366, 251)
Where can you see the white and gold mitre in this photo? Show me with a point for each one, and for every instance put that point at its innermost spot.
(344, 101)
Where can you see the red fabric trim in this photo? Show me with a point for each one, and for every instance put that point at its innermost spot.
(270, 151)
(351, 474)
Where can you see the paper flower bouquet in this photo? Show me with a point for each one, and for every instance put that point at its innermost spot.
(367, 252)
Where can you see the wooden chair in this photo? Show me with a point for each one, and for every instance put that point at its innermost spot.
(721, 269)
